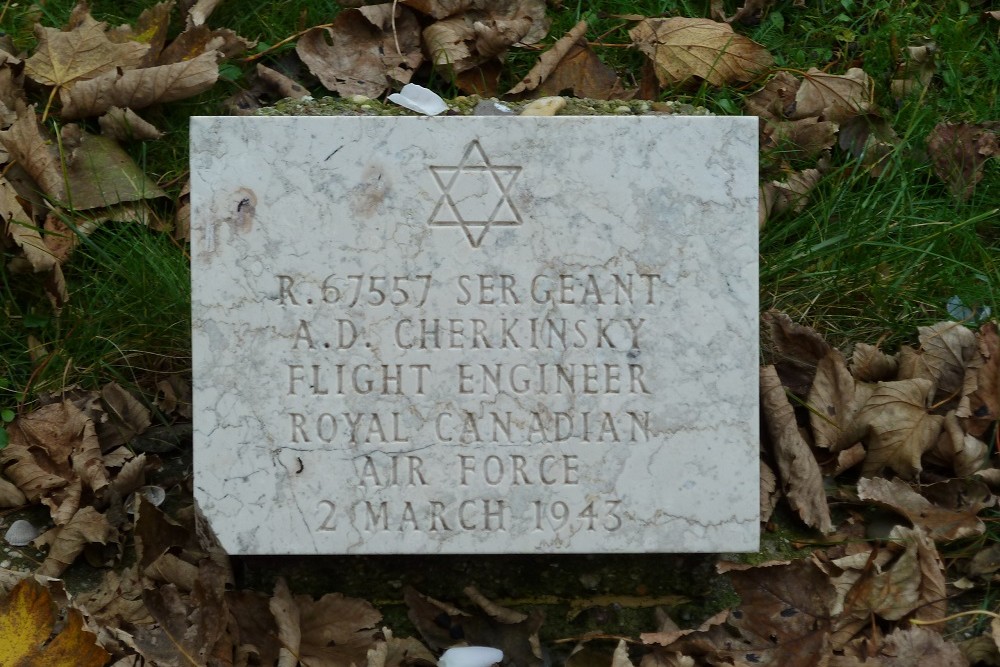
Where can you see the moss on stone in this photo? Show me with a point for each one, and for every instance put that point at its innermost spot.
(359, 105)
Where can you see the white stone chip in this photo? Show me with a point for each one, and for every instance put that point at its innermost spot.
(417, 98)
(470, 656)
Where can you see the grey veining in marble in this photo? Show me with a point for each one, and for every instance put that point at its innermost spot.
(476, 334)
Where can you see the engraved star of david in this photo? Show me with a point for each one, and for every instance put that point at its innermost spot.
(475, 195)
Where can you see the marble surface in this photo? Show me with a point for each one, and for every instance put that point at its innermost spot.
(476, 334)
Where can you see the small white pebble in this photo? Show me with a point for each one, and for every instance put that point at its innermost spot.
(358, 99)
(544, 106)
(623, 109)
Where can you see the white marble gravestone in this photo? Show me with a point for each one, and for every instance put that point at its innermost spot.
(476, 334)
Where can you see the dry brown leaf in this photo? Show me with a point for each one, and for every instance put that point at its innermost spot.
(199, 40)
(150, 28)
(900, 430)
(776, 100)
(916, 73)
(848, 458)
(932, 603)
(800, 475)
(871, 139)
(283, 85)
(466, 41)
(357, 54)
(116, 600)
(126, 125)
(140, 88)
(483, 80)
(683, 48)
(768, 492)
(870, 364)
(490, 11)
(36, 152)
(127, 417)
(806, 138)
(958, 152)
(101, 175)
(749, 14)
(500, 613)
(947, 348)
(82, 53)
(783, 618)
(10, 495)
(286, 615)
(188, 630)
(792, 194)
(795, 350)
(18, 225)
(919, 647)
(835, 400)
(939, 523)
(548, 61)
(966, 454)
(336, 630)
(582, 73)
(67, 542)
(833, 97)
(984, 403)
(182, 232)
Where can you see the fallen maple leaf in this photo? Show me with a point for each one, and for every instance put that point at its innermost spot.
(682, 48)
(364, 50)
(82, 53)
(800, 475)
(834, 97)
(900, 429)
(27, 620)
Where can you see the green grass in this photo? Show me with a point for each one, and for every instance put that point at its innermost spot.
(868, 258)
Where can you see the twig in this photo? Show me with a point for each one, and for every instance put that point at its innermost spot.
(286, 40)
(974, 612)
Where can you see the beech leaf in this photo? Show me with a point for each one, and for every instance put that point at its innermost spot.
(683, 48)
(833, 97)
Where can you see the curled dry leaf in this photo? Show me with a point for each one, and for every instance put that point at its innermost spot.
(140, 88)
(833, 97)
(916, 73)
(939, 523)
(281, 84)
(18, 225)
(684, 48)
(965, 453)
(947, 348)
(805, 138)
(201, 10)
(768, 491)
(958, 152)
(127, 417)
(795, 351)
(900, 429)
(126, 125)
(800, 475)
(792, 194)
(774, 102)
(871, 139)
(10, 495)
(835, 400)
(199, 40)
(67, 542)
(358, 55)
(36, 153)
(984, 403)
(548, 61)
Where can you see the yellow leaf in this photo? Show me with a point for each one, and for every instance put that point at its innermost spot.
(27, 617)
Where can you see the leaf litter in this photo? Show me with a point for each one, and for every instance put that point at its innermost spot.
(908, 434)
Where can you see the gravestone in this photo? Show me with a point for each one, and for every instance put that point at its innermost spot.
(476, 334)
